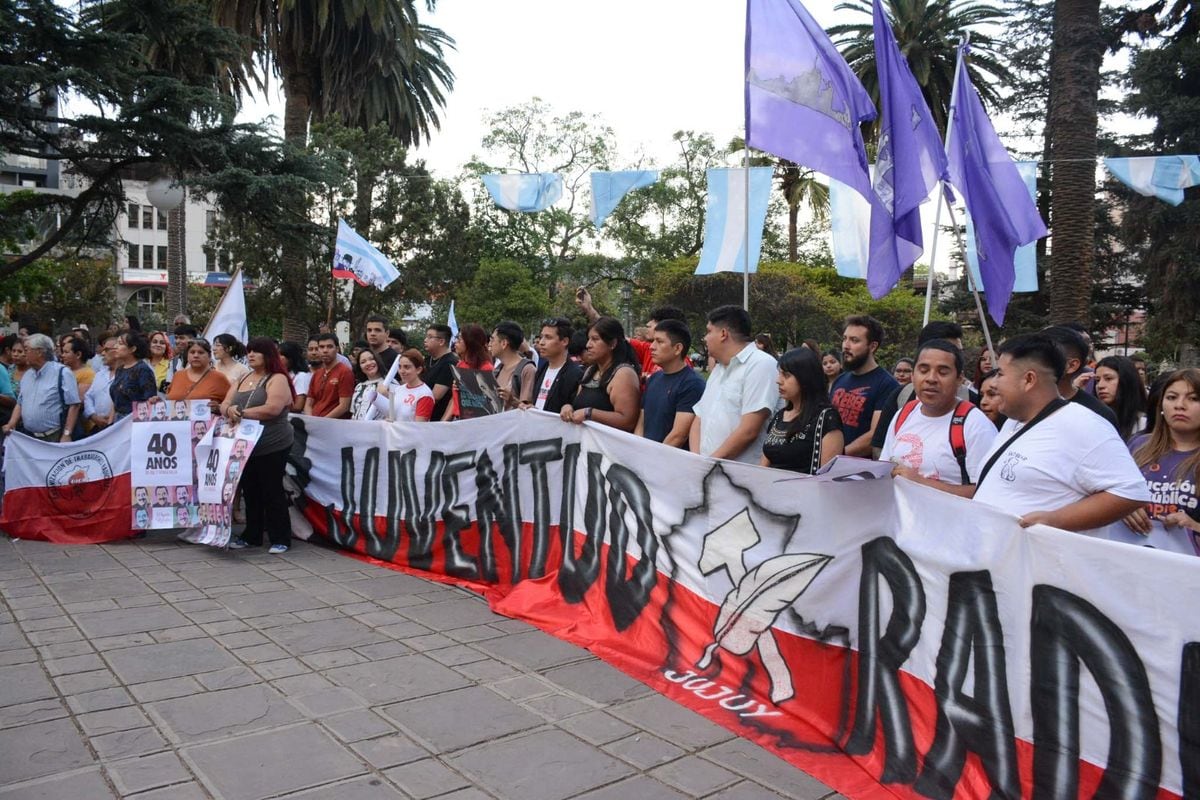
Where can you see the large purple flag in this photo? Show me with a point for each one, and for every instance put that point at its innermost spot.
(995, 194)
(910, 162)
(803, 102)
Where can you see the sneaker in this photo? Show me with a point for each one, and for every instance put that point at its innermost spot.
(237, 543)
(276, 549)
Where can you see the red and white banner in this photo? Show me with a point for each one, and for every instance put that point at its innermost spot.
(73, 493)
(890, 639)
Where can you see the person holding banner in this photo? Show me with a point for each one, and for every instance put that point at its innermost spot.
(134, 380)
(411, 400)
(1054, 462)
(200, 381)
(264, 394)
(610, 391)
(1170, 461)
(806, 434)
(471, 347)
(48, 404)
(368, 373)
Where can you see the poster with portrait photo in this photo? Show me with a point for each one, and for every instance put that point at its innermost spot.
(221, 456)
(478, 393)
(161, 464)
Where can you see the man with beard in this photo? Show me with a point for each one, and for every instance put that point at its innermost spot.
(938, 439)
(859, 392)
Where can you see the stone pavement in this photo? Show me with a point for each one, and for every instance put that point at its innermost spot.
(154, 669)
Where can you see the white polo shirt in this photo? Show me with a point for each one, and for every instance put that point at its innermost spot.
(745, 385)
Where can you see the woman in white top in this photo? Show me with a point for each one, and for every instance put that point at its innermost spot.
(369, 372)
(411, 400)
(297, 366)
(226, 349)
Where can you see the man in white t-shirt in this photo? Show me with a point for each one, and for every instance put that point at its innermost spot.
(740, 395)
(922, 440)
(1055, 463)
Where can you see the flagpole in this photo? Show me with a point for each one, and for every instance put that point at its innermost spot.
(746, 217)
(962, 249)
(937, 228)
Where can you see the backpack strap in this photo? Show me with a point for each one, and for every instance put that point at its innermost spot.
(904, 414)
(958, 438)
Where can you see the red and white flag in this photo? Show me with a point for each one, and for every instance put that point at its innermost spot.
(74, 493)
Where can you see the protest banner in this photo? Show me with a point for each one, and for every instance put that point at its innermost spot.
(890, 639)
(221, 456)
(162, 441)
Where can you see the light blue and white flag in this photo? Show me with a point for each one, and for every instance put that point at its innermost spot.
(357, 259)
(524, 191)
(850, 220)
(725, 227)
(1025, 257)
(1164, 177)
(608, 188)
(452, 322)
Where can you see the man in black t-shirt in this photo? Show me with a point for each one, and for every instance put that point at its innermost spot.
(439, 375)
(557, 378)
(377, 332)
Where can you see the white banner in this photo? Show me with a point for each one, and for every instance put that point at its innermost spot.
(221, 456)
(162, 468)
(870, 631)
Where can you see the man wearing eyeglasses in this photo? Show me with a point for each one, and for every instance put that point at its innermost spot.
(439, 375)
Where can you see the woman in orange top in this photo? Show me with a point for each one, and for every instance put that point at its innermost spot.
(200, 381)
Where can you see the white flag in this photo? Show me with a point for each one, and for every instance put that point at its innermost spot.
(230, 316)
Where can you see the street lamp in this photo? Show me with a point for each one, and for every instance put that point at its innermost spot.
(168, 196)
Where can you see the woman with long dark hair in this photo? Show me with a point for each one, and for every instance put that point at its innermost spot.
(296, 362)
(368, 372)
(265, 394)
(831, 365)
(1119, 387)
(1170, 460)
(609, 392)
(471, 347)
(806, 433)
(226, 350)
(133, 381)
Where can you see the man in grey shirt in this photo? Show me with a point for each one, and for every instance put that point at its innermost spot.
(48, 405)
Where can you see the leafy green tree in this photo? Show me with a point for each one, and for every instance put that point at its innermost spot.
(533, 138)
(502, 289)
(55, 291)
(928, 32)
(126, 114)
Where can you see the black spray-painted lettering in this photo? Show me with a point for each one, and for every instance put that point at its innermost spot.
(1189, 719)
(981, 723)
(627, 598)
(578, 573)
(1067, 630)
(879, 658)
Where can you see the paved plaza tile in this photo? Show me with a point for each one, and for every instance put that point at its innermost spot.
(156, 670)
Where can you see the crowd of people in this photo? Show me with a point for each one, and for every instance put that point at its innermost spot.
(1036, 428)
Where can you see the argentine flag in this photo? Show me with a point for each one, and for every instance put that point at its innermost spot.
(524, 191)
(357, 259)
(1164, 177)
(1025, 257)
(608, 189)
(725, 244)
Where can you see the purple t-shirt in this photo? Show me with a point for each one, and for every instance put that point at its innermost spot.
(1169, 492)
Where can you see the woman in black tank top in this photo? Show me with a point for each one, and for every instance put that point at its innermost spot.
(608, 392)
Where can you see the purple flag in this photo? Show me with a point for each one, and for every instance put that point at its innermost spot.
(803, 102)
(910, 162)
(1005, 216)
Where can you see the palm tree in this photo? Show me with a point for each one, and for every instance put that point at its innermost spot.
(1076, 53)
(364, 60)
(928, 32)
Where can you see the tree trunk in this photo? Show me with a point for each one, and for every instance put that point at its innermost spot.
(793, 214)
(296, 113)
(177, 278)
(1075, 83)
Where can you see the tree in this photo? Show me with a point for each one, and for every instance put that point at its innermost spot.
(126, 114)
(533, 138)
(502, 289)
(927, 32)
(365, 60)
(55, 291)
(797, 184)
